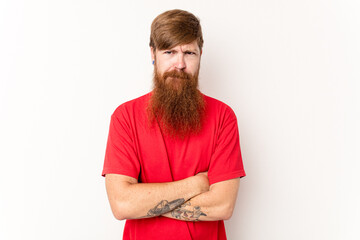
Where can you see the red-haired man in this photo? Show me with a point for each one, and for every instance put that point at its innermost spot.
(173, 159)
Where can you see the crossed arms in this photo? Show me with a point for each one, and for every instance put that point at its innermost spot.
(189, 199)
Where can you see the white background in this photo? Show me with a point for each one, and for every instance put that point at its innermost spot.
(289, 69)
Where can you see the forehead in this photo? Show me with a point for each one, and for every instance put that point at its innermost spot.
(193, 46)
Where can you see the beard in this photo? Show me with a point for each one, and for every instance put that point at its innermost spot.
(176, 103)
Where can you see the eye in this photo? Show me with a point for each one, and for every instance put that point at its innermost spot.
(190, 53)
(168, 52)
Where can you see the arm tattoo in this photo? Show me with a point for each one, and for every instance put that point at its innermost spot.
(164, 206)
(184, 214)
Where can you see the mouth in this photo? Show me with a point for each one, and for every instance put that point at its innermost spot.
(174, 82)
(175, 79)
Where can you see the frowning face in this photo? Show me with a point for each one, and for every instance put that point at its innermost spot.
(183, 58)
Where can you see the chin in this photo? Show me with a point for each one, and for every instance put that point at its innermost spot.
(174, 82)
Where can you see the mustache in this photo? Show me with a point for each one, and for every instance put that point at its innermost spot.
(177, 74)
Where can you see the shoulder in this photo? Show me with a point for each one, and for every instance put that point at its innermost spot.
(219, 108)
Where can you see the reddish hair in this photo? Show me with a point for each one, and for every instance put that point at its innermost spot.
(173, 28)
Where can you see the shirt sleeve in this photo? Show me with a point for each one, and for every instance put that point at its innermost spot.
(120, 155)
(226, 161)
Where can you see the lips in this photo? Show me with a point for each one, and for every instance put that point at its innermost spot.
(177, 75)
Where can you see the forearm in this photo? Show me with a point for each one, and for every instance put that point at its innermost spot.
(142, 200)
(216, 204)
(203, 207)
(154, 199)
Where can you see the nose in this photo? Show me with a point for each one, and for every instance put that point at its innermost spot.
(180, 64)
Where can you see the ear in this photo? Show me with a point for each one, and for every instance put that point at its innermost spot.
(152, 52)
(200, 52)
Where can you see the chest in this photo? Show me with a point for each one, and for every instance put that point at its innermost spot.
(164, 159)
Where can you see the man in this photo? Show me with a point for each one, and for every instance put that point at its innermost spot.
(173, 160)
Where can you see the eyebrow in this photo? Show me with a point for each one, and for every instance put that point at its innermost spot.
(191, 50)
(184, 51)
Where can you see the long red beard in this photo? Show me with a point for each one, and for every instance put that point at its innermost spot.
(176, 103)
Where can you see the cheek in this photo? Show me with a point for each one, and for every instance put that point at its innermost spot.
(193, 67)
(165, 66)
